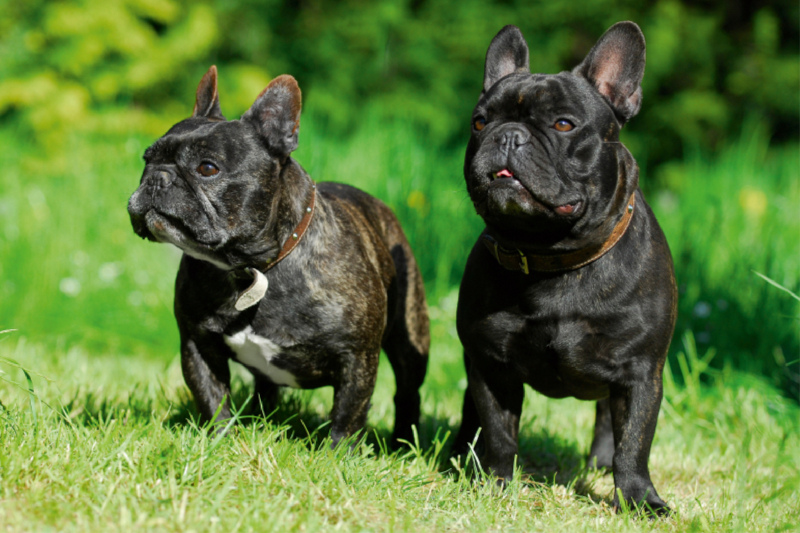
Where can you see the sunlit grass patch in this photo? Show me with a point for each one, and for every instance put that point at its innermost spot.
(118, 447)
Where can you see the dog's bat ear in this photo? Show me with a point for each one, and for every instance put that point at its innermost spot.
(276, 114)
(507, 54)
(615, 66)
(207, 102)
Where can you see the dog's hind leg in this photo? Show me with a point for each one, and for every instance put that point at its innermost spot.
(406, 340)
(352, 394)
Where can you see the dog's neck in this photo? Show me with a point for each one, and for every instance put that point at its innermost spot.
(516, 259)
(296, 231)
(293, 199)
(294, 227)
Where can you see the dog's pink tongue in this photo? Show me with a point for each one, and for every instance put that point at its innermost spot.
(505, 173)
(565, 209)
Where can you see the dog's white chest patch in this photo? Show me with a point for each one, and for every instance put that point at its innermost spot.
(257, 352)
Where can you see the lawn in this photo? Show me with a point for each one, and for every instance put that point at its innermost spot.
(110, 443)
(108, 439)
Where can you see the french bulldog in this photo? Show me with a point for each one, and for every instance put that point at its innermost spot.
(570, 288)
(301, 283)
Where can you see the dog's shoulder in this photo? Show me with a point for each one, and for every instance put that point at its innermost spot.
(360, 205)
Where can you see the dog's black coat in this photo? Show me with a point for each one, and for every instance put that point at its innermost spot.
(350, 287)
(598, 332)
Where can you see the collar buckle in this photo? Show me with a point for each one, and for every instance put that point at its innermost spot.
(523, 262)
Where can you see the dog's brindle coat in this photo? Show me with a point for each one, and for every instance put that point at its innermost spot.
(350, 287)
(546, 171)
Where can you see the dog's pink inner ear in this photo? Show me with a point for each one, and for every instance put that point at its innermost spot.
(615, 66)
(607, 72)
(507, 53)
(207, 100)
(614, 80)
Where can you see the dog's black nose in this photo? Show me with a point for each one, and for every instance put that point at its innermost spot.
(511, 139)
(159, 178)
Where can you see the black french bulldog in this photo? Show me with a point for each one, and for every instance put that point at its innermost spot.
(302, 284)
(570, 288)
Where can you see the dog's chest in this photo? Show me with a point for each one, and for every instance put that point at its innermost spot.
(260, 353)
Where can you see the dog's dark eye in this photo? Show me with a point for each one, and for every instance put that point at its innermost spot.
(479, 123)
(563, 125)
(208, 169)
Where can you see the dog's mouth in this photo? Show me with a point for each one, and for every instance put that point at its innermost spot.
(505, 177)
(169, 230)
(166, 228)
(505, 173)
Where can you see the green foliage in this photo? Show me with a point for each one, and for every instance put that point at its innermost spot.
(107, 66)
(128, 65)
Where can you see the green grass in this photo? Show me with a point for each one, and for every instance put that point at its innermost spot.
(110, 443)
(109, 440)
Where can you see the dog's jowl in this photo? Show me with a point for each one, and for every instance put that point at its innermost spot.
(570, 288)
(301, 283)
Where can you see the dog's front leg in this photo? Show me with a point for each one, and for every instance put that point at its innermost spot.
(470, 422)
(602, 452)
(265, 396)
(498, 400)
(352, 394)
(209, 380)
(634, 413)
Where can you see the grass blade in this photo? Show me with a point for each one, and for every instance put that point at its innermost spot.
(776, 284)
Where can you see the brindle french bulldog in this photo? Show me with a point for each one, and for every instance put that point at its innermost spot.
(301, 283)
(570, 288)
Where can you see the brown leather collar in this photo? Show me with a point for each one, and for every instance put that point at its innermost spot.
(297, 235)
(517, 260)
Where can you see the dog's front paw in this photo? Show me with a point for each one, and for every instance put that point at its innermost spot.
(645, 502)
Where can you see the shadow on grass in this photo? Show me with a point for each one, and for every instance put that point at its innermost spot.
(551, 460)
(545, 458)
(95, 409)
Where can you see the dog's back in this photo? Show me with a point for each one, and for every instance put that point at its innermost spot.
(403, 279)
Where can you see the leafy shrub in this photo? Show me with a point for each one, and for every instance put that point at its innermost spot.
(127, 65)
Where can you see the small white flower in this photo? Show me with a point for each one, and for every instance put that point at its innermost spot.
(108, 272)
(135, 298)
(80, 258)
(70, 286)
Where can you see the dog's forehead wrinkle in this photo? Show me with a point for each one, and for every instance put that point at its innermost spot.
(536, 97)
